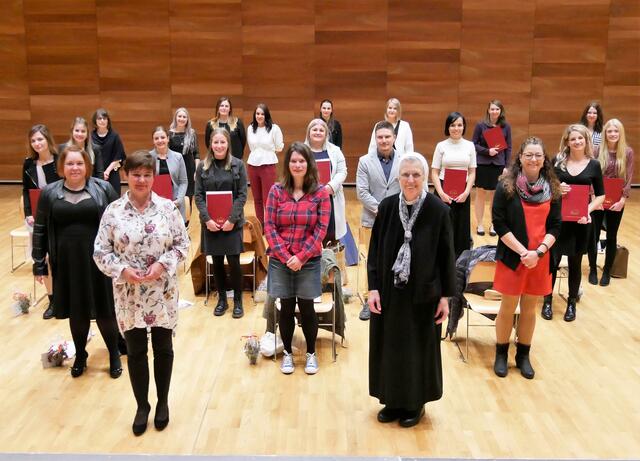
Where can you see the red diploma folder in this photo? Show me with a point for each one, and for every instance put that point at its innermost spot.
(495, 138)
(455, 182)
(162, 186)
(324, 170)
(34, 196)
(612, 191)
(575, 204)
(219, 205)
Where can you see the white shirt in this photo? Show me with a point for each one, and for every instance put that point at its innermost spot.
(263, 145)
(456, 155)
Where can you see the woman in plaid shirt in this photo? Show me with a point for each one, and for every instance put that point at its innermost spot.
(296, 221)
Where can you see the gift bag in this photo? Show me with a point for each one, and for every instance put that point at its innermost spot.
(620, 263)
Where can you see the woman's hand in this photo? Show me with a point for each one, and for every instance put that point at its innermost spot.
(585, 219)
(154, 272)
(529, 259)
(565, 188)
(374, 302)
(462, 197)
(329, 189)
(618, 206)
(212, 226)
(493, 151)
(130, 275)
(445, 198)
(30, 221)
(227, 226)
(442, 311)
(294, 263)
(40, 279)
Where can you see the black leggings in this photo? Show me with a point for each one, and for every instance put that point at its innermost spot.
(219, 274)
(309, 322)
(575, 275)
(162, 343)
(108, 329)
(613, 224)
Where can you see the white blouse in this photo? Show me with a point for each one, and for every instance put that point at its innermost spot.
(264, 144)
(456, 155)
(128, 237)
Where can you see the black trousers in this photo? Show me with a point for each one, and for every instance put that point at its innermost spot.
(162, 343)
(219, 274)
(613, 224)
(309, 322)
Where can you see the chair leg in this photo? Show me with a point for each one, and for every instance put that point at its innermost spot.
(207, 287)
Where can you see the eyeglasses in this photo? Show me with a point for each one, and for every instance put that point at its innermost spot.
(407, 176)
(532, 156)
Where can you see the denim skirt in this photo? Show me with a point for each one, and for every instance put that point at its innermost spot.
(282, 282)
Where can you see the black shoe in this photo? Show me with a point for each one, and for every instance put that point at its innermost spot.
(492, 232)
(412, 417)
(479, 232)
(48, 312)
(522, 361)
(238, 311)
(79, 365)
(593, 276)
(365, 313)
(606, 277)
(161, 418)
(222, 305)
(388, 415)
(570, 313)
(547, 307)
(140, 420)
(500, 366)
(115, 368)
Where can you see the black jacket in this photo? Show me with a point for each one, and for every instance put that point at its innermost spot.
(508, 216)
(44, 238)
(30, 181)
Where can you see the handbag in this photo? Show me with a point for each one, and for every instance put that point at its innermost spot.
(620, 263)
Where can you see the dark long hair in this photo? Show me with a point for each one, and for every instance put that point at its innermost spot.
(509, 178)
(331, 123)
(310, 183)
(44, 131)
(597, 127)
(268, 122)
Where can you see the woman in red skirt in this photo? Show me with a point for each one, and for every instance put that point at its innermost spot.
(526, 216)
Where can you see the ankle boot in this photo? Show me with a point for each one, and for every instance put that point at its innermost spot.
(222, 305)
(238, 311)
(593, 276)
(570, 313)
(500, 367)
(547, 311)
(606, 277)
(522, 360)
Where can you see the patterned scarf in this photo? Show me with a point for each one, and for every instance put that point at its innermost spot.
(538, 192)
(402, 267)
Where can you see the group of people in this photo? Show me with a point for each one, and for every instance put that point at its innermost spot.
(128, 247)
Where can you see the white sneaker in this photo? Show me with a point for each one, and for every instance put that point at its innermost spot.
(311, 368)
(287, 366)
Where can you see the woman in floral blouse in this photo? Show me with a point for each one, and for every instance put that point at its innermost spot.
(140, 242)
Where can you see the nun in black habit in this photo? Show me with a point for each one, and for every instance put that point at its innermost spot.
(411, 272)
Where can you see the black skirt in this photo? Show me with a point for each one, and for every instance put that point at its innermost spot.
(222, 243)
(487, 176)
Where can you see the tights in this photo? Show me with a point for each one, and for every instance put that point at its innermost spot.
(575, 275)
(108, 329)
(613, 223)
(162, 342)
(220, 275)
(309, 322)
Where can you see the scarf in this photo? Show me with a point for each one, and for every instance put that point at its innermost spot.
(402, 267)
(538, 192)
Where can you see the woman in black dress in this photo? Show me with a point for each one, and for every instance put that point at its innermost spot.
(108, 141)
(574, 165)
(80, 137)
(39, 169)
(220, 171)
(335, 129)
(184, 139)
(224, 119)
(66, 226)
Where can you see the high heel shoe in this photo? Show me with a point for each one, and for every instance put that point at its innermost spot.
(161, 418)
(139, 425)
(115, 368)
(79, 365)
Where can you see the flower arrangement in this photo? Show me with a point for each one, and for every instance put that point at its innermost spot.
(252, 348)
(21, 302)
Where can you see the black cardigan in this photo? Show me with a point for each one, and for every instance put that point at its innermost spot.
(508, 216)
(30, 181)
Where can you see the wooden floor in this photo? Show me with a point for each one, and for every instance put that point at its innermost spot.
(583, 402)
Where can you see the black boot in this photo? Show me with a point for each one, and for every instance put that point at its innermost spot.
(522, 360)
(139, 425)
(593, 276)
(48, 313)
(238, 311)
(570, 313)
(222, 305)
(606, 277)
(500, 367)
(547, 310)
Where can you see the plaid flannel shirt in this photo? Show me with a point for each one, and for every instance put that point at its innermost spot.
(296, 228)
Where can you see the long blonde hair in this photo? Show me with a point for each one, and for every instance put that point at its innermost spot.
(621, 149)
(564, 150)
(208, 160)
(190, 137)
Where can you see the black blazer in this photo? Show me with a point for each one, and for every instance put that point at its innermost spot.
(508, 216)
(30, 181)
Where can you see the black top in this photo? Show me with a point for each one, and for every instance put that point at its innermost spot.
(590, 176)
(190, 155)
(163, 168)
(111, 147)
(238, 137)
(335, 136)
(30, 180)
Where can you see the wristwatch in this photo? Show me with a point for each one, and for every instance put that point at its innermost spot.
(539, 253)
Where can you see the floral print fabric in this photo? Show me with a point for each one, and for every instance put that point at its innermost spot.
(130, 238)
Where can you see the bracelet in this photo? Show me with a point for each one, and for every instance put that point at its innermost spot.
(545, 245)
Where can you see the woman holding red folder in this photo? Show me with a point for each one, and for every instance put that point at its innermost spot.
(171, 163)
(221, 171)
(574, 165)
(616, 161)
(456, 153)
(492, 160)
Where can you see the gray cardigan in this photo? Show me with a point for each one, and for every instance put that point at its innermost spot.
(178, 173)
(372, 186)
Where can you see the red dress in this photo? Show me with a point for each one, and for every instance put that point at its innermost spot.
(535, 281)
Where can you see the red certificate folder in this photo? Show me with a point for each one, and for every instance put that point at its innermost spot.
(612, 191)
(34, 196)
(324, 170)
(219, 205)
(162, 186)
(455, 182)
(495, 138)
(575, 204)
